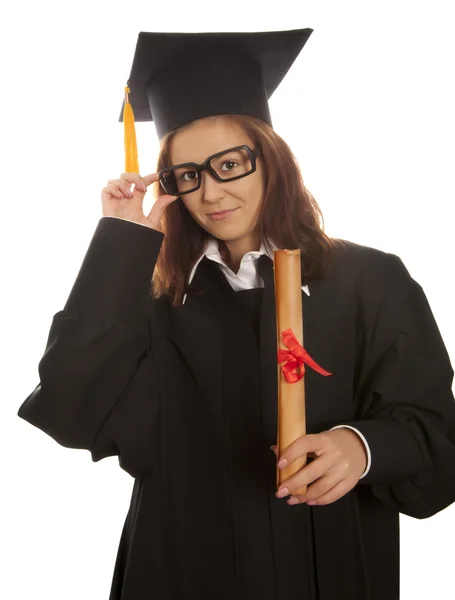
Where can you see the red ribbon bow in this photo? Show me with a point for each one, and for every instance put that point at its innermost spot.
(295, 357)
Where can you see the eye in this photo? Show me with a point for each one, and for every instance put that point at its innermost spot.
(188, 175)
(229, 162)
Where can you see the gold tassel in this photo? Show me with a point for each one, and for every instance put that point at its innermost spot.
(131, 159)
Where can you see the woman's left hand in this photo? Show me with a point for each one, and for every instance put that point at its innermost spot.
(340, 459)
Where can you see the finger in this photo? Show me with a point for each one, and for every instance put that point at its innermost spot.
(320, 487)
(335, 493)
(125, 189)
(120, 183)
(151, 178)
(136, 179)
(164, 200)
(310, 455)
(311, 472)
(316, 443)
(122, 188)
(158, 208)
(113, 191)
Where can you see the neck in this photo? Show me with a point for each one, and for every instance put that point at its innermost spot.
(233, 251)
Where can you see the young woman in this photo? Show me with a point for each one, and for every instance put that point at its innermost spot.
(165, 356)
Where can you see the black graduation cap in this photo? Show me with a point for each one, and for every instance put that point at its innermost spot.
(179, 77)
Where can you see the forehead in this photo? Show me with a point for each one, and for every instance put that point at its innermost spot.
(204, 138)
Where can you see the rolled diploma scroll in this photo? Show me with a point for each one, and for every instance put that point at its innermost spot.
(291, 396)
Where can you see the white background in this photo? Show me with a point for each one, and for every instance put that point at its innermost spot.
(368, 108)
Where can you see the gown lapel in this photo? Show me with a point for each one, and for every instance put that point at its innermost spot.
(267, 352)
(197, 329)
(209, 311)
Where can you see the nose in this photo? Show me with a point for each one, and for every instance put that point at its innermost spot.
(212, 190)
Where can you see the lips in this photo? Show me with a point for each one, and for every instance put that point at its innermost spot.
(220, 212)
(221, 215)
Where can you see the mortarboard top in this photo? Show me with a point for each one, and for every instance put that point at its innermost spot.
(179, 77)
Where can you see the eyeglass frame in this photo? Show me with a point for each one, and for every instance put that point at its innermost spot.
(205, 166)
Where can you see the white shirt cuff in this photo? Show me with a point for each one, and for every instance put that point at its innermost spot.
(365, 443)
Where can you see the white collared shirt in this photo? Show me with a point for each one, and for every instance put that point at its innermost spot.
(247, 277)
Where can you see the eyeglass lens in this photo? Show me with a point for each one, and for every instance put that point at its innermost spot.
(227, 166)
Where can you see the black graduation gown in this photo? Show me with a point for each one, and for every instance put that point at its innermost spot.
(186, 398)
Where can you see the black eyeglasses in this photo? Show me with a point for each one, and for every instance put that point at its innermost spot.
(186, 177)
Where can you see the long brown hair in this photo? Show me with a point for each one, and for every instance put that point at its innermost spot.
(289, 216)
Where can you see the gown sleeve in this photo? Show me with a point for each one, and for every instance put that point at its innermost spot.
(95, 389)
(405, 406)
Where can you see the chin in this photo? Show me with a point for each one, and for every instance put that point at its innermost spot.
(223, 233)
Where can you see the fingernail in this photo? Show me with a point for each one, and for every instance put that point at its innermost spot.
(311, 502)
(283, 462)
(143, 188)
(281, 493)
(293, 500)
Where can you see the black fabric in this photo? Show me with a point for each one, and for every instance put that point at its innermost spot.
(170, 71)
(250, 302)
(186, 398)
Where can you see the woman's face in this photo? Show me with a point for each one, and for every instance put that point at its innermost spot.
(243, 197)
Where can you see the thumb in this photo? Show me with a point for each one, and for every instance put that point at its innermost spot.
(159, 206)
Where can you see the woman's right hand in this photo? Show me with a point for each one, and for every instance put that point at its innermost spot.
(118, 200)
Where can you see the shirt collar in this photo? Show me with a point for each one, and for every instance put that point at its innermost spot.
(212, 252)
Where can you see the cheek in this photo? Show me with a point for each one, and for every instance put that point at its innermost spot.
(254, 200)
(254, 192)
(249, 192)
